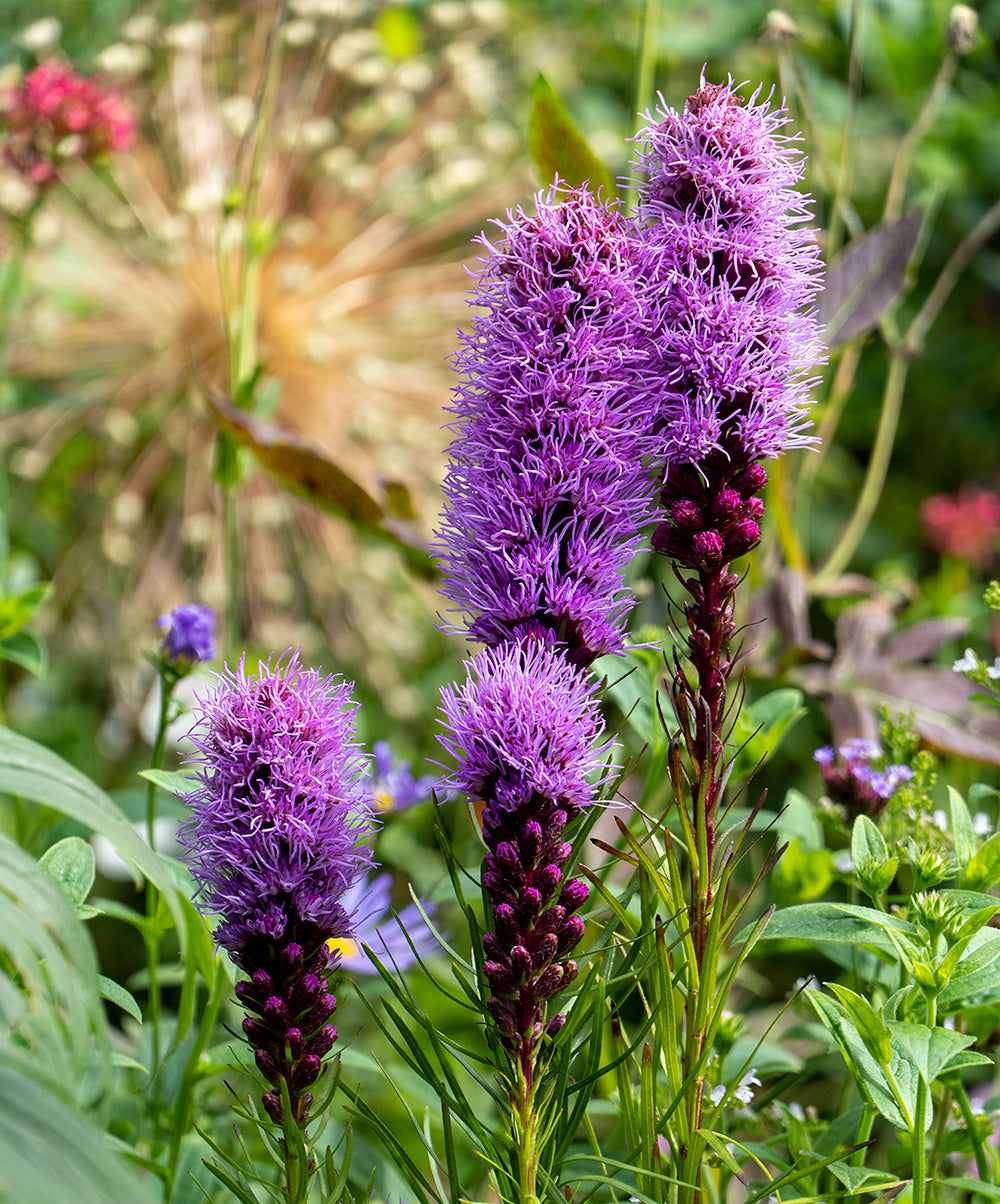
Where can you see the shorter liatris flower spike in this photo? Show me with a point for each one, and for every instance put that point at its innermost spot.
(189, 637)
(55, 116)
(524, 730)
(279, 831)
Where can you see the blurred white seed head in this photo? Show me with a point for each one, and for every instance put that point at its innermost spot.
(124, 59)
(41, 37)
(961, 32)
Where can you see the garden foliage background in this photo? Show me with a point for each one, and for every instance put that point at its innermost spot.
(117, 375)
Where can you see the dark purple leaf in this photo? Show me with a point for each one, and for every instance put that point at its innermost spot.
(867, 278)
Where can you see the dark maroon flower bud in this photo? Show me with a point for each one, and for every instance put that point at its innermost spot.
(272, 1105)
(708, 549)
(322, 1042)
(267, 1065)
(571, 934)
(276, 1010)
(554, 1025)
(305, 1072)
(726, 506)
(687, 513)
(546, 950)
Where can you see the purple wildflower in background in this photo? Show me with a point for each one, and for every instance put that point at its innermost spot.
(279, 831)
(546, 489)
(860, 786)
(524, 730)
(398, 938)
(392, 784)
(189, 636)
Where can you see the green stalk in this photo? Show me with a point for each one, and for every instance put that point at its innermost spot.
(878, 468)
(527, 1124)
(14, 274)
(920, 1145)
(648, 49)
(152, 938)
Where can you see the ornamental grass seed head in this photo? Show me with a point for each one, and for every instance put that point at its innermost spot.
(280, 828)
(547, 489)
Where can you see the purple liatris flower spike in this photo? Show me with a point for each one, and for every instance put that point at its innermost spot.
(279, 829)
(189, 636)
(733, 269)
(524, 731)
(546, 489)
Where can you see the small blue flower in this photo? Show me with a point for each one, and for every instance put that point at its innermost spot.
(392, 784)
(189, 634)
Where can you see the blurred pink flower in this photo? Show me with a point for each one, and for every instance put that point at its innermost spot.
(965, 525)
(55, 115)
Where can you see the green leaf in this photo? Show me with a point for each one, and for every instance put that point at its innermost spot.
(48, 1151)
(869, 1075)
(800, 875)
(30, 771)
(399, 30)
(16, 610)
(838, 922)
(797, 820)
(557, 147)
(854, 1178)
(961, 830)
(117, 994)
(180, 785)
(867, 842)
(25, 650)
(70, 862)
(984, 867)
(929, 1049)
(871, 1027)
(760, 727)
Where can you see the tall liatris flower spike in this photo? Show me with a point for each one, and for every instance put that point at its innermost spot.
(734, 270)
(546, 489)
(55, 116)
(524, 730)
(279, 831)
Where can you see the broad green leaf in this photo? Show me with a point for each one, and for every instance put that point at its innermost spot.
(838, 922)
(30, 771)
(70, 862)
(50, 1005)
(117, 994)
(867, 842)
(26, 650)
(557, 147)
(17, 609)
(797, 820)
(180, 785)
(870, 1025)
(800, 875)
(869, 1075)
(929, 1049)
(51, 1152)
(854, 1178)
(760, 728)
(961, 830)
(984, 867)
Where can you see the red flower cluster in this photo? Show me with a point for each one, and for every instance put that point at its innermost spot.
(54, 116)
(966, 525)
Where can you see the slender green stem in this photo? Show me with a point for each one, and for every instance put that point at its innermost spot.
(648, 52)
(896, 192)
(844, 172)
(920, 1145)
(972, 1128)
(14, 274)
(231, 538)
(878, 468)
(152, 897)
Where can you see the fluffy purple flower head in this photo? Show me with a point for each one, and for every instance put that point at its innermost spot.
(189, 636)
(546, 490)
(525, 723)
(280, 823)
(395, 937)
(524, 729)
(735, 269)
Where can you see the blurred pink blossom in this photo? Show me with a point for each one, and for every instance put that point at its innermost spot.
(54, 116)
(965, 525)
